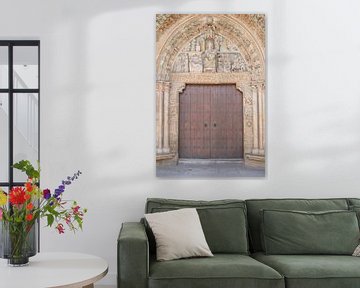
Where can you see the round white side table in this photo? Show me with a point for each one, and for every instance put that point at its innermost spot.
(50, 270)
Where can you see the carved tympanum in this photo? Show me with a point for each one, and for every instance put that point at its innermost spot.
(209, 52)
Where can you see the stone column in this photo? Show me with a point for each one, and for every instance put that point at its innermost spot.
(261, 119)
(175, 89)
(255, 94)
(159, 116)
(166, 119)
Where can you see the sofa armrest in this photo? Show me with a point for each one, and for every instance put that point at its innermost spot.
(133, 256)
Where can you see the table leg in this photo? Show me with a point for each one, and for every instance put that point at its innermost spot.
(89, 286)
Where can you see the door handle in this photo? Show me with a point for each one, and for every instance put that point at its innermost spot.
(205, 125)
(214, 124)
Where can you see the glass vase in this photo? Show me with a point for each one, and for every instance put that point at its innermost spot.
(18, 242)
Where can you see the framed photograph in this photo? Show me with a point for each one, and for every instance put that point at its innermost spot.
(210, 95)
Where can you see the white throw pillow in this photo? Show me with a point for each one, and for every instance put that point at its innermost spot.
(357, 251)
(178, 234)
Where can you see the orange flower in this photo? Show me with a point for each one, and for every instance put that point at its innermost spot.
(29, 187)
(29, 217)
(27, 196)
(29, 206)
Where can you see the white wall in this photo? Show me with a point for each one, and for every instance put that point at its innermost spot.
(98, 105)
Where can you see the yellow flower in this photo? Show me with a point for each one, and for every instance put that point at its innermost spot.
(3, 198)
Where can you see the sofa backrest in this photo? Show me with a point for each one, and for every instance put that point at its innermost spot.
(256, 205)
(353, 202)
(223, 221)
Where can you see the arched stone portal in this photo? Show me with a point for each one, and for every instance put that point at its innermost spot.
(210, 49)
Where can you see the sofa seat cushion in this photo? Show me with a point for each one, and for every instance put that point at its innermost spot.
(222, 270)
(313, 271)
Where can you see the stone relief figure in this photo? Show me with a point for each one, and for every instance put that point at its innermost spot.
(182, 63)
(209, 28)
(209, 56)
(231, 62)
(195, 64)
(238, 63)
(224, 62)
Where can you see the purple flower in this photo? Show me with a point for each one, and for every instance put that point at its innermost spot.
(46, 194)
(64, 183)
(58, 192)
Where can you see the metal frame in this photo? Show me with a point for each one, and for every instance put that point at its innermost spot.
(11, 91)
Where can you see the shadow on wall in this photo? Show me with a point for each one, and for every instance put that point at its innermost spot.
(72, 90)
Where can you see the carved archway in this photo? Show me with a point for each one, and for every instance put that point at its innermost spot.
(210, 49)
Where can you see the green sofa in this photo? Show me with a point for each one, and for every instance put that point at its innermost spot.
(234, 232)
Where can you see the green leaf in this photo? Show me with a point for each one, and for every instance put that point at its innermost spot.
(79, 221)
(21, 165)
(50, 219)
(28, 168)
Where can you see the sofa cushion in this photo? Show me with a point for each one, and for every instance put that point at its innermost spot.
(178, 234)
(354, 205)
(254, 207)
(222, 270)
(223, 221)
(297, 232)
(313, 271)
(353, 201)
(356, 209)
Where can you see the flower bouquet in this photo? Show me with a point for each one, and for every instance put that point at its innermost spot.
(21, 208)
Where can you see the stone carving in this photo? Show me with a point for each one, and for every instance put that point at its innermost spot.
(195, 62)
(254, 22)
(186, 36)
(248, 100)
(248, 116)
(164, 21)
(209, 52)
(209, 57)
(231, 62)
(214, 78)
(181, 63)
